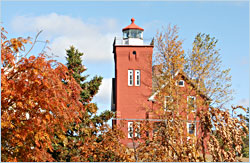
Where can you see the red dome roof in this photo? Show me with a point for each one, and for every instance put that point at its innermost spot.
(132, 26)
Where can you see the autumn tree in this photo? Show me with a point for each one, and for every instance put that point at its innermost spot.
(170, 140)
(227, 134)
(35, 103)
(92, 139)
(168, 143)
(204, 65)
(245, 145)
(47, 114)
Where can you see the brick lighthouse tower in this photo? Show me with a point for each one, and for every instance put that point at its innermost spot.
(132, 85)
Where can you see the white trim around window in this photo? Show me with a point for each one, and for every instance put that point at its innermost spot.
(130, 78)
(189, 126)
(167, 100)
(137, 77)
(194, 102)
(137, 130)
(130, 129)
(180, 83)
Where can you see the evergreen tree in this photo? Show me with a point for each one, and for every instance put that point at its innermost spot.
(74, 63)
(92, 126)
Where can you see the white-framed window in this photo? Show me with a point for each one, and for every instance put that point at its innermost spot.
(137, 77)
(191, 103)
(191, 129)
(130, 129)
(130, 77)
(167, 102)
(180, 83)
(137, 130)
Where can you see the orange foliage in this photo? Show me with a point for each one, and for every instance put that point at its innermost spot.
(35, 103)
(40, 102)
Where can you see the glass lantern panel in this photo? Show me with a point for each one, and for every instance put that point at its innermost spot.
(140, 34)
(126, 34)
(133, 33)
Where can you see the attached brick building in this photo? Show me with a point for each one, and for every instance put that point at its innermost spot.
(132, 86)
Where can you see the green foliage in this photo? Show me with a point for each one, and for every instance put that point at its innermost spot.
(102, 118)
(74, 63)
(245, 148)
(90, 88)
(92, 127)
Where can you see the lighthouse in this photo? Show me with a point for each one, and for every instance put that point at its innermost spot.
(132, 85)
(132, 34)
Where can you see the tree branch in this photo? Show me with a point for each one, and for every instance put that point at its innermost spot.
(33, 43)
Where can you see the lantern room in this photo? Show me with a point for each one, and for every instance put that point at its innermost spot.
(132, 34)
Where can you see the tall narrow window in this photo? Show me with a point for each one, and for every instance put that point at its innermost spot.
(191, 103)
(130, 129)
(191, 129)
(130, 77)
(137, 130)
(137, 77)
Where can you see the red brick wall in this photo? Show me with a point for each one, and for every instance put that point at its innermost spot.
(184, 92)
(132, 101)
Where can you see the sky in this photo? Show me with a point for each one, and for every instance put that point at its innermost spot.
(92, 26)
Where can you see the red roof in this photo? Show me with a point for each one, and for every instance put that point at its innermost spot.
(132, 26)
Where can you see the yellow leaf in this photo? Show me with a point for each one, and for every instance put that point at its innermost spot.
(47, 117)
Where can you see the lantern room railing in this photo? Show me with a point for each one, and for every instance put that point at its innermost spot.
(122, 41)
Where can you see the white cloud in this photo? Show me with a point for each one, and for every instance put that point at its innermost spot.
(93, 37)
(244, 102)
(104, 95)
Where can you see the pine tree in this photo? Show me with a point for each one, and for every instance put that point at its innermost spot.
(92, 126)
(74, 63)
(89, 88)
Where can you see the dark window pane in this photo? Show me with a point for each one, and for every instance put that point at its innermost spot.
(181, 82)
(191, 128)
